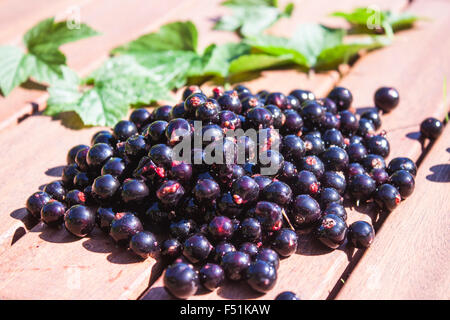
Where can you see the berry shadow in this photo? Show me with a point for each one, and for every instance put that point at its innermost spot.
(54, 235)
(55, 172)
(237, 290)
(441, 173)
(361, 110)
(156, 293)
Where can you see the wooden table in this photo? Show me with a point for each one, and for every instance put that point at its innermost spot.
(411, 254)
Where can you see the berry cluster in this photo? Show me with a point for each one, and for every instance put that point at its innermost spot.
(212, 221)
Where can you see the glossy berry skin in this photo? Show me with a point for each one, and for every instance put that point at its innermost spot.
(52, 213)
(342, 97)
(331, 231)
(287, 295)
(270, 162)
(135, 147)
(170, 193)
(293, 148)
(177, 130)
(235, 263)
(373, 161)
(134, 192)
(56, 190)
(313, 164)
(303, 95)
(277, 192)
(104, 218)
(249, 230)
(387, 197)
(349, 123)
(171, 249)
(431, 128)
(115, 167)
(228, 120)
(181, 280)
(270, 256)
(335, 158)
(329, 195)
(98, 155)
(73, 152)
(162, 113)
(278, 99)
(244, 190)
(140, 117)
(124, 226)
(360, 234)
(227, 207)
(79, 220)
(361, 187)
(293, 122)
(161, 155)
(313, 145)
(104, 188)
(261, 276)
(190, 90)
(270, 215)
(380, 176)
(182, 229)
(211, 276)
(259, 118)
(230, 101)
(374, 117)
(404, 182)
(285, 242)
(336, 209)
(124, 129)
(249, 248)
(80, 159)
(68, 174)
(305, 183)
(378, 145)
(386, 99)
(402, 163)
(74, 197)
(333, 137)
(312, 113)
(144, 244)
(35, 202)
(197, 248)
(156, 132)
(220, 250)
(305, 211)
(206, 191)
(220, 228)
(355, 168)
(356, 152)
(366, 128)
(104, 137)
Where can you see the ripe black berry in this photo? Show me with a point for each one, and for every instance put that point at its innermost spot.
(305, 211)
(98, 155)
(211, 276)
(170, 193)
(171, 249)
(73, 152)
(220, 228)
(235, 263)
(287, 295)
(35, 203)
(386, 98)
(261, 276)
(402, 163)
(244, 190)
(270, 215)
(197, 248)
(361, 187)
(140, 117)
(144, 244)
(285, 242)
(181, 280)
(52, 213)
(431, 128)
(56, 190)
(342, 97)
(378, 145)
(124, 226)
(361, 234)
(331, 231)
(104, 218)
(104, 188)
(79, 220)
(124, 129)
(404, 182)
(74, 197)
(277, 192)
(387, 197)
(134, 192)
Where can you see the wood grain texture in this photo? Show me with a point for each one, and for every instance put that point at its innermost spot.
(314, 272)
(410, 256)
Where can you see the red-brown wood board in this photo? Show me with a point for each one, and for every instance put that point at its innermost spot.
(43, 263)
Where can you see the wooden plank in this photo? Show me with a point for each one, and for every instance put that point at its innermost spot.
(16, 271)
(312, 273)
(117, 22)
(409, 258)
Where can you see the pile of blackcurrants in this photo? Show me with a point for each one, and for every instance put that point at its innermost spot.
(223, 220)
